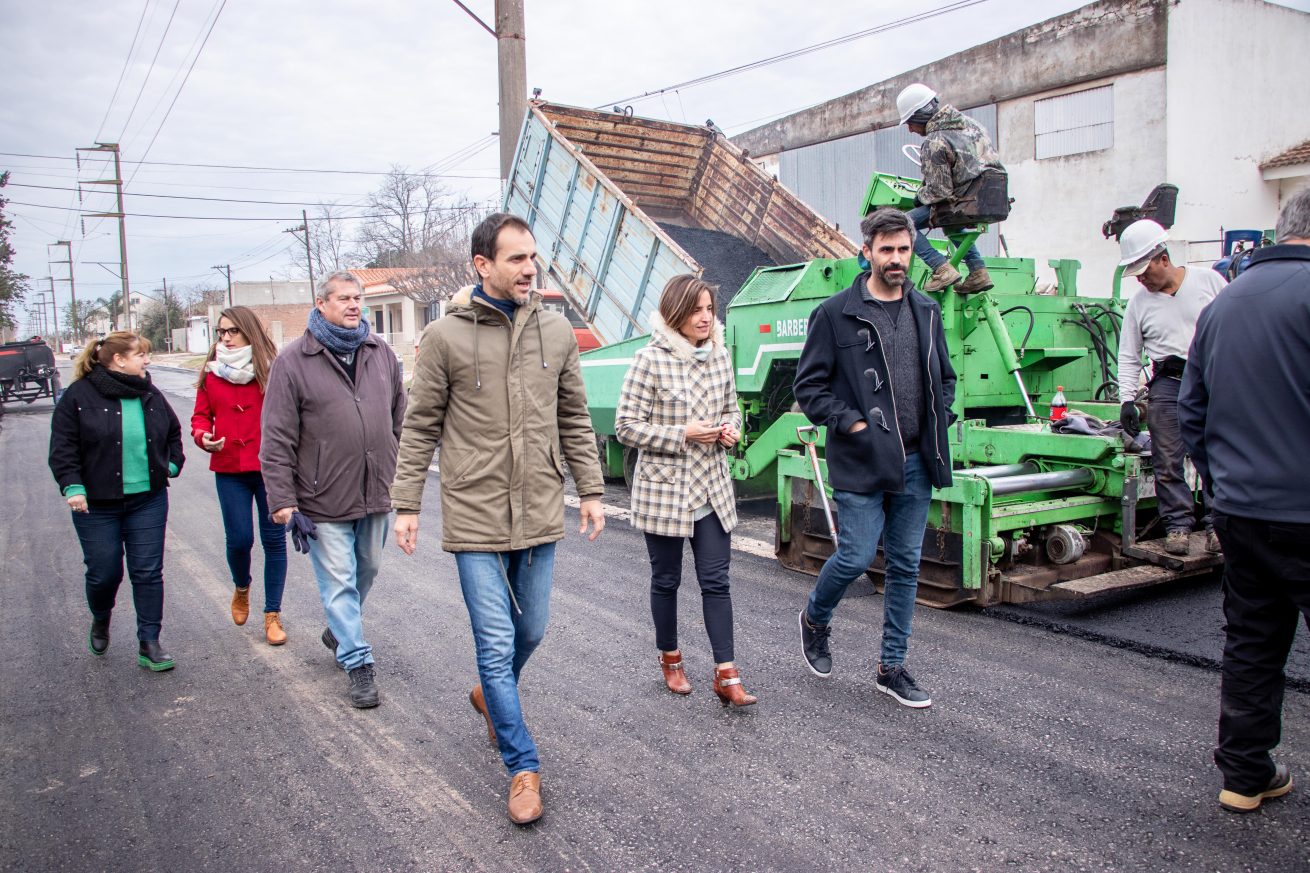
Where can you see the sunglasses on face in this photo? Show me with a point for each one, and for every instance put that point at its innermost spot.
(226, 331)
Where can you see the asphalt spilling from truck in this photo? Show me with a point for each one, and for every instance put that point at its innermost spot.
(728, 260)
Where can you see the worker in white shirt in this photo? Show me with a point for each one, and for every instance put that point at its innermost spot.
(1160, 321)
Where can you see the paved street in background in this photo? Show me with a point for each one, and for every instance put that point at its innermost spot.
(1060, 739)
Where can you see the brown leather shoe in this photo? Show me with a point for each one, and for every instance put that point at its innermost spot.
(241, 605)
(674, 676)
(525, 797)
(273, 631)
(480, 704)
(727, 684)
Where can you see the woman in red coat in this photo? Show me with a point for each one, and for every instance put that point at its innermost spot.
(229, 403)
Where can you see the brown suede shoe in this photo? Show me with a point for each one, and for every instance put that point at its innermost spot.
(525, 797)
(1177, 542)
(273, 631)
(674, 676)
(480, 704)
(1212, 544)
(241, 605)
(727, 685)
(979, 280)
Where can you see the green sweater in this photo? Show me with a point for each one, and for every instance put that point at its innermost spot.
(136, 465)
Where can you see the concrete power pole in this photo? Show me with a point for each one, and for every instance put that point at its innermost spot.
(117, 181)
(76, 326)
(226, 269)
(511, 51)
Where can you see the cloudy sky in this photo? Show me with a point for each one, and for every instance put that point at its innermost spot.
(356, 87)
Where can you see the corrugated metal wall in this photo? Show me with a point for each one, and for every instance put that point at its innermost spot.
(831, 177)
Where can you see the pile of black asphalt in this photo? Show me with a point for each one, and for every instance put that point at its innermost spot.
(728, 260)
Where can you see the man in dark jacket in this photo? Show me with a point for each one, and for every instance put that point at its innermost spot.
(1244, 410)
(876, 373)
(955, 152)
(331, 424)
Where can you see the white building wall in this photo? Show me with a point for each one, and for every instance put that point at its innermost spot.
(1236, 97)
(1060, 203)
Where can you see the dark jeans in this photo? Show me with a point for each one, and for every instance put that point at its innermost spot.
(131, 527)
(1266, 581)
(1173, 496)
(899, 519)
(235, 493)
(711, 549)
(920, 215)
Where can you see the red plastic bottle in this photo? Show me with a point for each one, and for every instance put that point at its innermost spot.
(1059, 406)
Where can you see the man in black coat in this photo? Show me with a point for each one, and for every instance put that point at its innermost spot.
(1244, 410)
(875, 371)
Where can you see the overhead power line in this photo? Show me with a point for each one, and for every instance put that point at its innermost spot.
(473, 207)
(180, 88)
(268, 169)
(150, 69)
(796, 53)
(127, 61)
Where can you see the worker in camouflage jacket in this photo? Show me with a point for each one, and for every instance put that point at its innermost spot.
(955, 152)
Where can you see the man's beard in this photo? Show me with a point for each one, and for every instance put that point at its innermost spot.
(883, 276)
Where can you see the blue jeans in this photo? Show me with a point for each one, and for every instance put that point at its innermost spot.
(235, 493)
(505, 638)
(898, 518)
(133, 528)
(346, 557)
(921, 215)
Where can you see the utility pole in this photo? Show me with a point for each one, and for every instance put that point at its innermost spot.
(309, 260)
(117, 182)
(512, 55)
(168, 323)
(226, 269)
(76, 326)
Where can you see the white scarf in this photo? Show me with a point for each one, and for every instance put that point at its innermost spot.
(235, 365)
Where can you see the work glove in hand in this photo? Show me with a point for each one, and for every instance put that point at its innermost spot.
(302, 530)
(1130, 418)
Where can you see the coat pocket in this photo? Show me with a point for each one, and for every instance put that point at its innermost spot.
(658, 474)
(455, 470)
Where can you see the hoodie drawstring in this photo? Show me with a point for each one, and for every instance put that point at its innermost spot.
(477, 373)
(541, 341)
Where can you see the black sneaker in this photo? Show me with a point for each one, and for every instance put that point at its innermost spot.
(363, 690)
(814, 646)
(98, 640)
(329, 639)
(901, 685)
(1280, 784)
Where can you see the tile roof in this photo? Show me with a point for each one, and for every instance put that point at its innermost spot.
(1297, 154)
(383, 275)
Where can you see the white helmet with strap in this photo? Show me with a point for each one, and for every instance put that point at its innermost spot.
(1139, 242)
(912, 99)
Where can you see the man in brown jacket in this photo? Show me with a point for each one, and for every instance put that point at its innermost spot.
(331, 421)
(498, 385)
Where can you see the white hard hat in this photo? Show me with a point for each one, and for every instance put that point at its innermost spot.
(912, 99)
(1138, 243)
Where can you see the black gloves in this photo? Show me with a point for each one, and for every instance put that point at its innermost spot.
(1130, 418)
(302, 530)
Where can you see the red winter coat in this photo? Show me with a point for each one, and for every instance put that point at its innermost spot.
(232, 411)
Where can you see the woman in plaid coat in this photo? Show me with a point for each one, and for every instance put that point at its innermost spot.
(679, 409)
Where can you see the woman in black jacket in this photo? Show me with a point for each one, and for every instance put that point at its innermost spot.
(114, 444)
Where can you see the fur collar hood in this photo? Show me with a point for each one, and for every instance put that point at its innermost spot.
(665, 337)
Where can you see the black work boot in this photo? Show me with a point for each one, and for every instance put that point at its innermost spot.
(98, 640)
(363, 688)
(151, 656)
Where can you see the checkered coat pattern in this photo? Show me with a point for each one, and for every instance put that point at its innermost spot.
(666, 389)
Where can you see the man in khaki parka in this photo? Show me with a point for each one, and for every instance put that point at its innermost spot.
(498, 385)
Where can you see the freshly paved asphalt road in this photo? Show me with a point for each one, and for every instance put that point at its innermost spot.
(1044, 750)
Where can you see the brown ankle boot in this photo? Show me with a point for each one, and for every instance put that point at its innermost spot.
(674, 676)
(727, 684)
(273, 631)
(525, 797)
(241, 605)
(480, 704)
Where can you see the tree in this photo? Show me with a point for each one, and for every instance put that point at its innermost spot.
(196, 299)
(327, 240)
(13, 285)
(161, 316)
